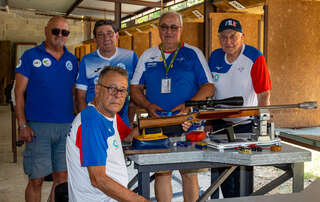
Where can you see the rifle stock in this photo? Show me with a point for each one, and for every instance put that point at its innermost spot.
(230, 112)
(196, 116)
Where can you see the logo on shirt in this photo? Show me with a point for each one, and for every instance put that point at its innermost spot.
(216, 77)
(241, 69)
(181, 59)
(97, 70)
(218, 68)
(19, 64)
(96, 80)
(151, 64)
(115, 144)
(123, 66)
(36, 63)
(153, 58)
(69, 65)
(46, 62)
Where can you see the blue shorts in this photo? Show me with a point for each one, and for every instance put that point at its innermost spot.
(47, 151)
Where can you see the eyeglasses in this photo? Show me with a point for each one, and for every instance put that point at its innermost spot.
(102, 35)
(114, 91)
(165, 28)
(56, 31)
(233, 37)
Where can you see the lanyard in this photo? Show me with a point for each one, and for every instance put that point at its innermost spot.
(171, 62)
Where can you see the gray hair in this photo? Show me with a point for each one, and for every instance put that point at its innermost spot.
(116, 69)
(171, 13)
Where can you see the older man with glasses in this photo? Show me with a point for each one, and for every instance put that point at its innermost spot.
(171, 73)
(96, 165)
(47, 74)
(105, 36)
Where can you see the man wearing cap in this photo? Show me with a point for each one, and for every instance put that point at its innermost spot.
(238, 70)
(105, 36)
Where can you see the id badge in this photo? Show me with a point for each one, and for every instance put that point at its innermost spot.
(166, 85)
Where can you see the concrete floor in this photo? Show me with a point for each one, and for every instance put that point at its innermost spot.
(12, 178)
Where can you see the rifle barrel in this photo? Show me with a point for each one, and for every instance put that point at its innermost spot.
(303, 105)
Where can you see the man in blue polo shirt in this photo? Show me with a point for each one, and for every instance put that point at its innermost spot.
(47, 74)
(105, 36)
(171, 73)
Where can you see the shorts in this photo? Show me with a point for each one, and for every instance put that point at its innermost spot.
(47, 151)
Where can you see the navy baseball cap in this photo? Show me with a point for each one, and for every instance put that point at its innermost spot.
(230, 23)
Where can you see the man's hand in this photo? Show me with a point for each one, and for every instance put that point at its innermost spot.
(25, 134)
(186, 125)
(182, 109)
(152, 110)
(134, 133)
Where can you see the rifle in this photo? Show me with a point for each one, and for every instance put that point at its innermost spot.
(210, 111)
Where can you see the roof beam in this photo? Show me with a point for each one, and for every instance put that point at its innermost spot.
(74, 5)
(144, 10)
(136, 2)
(104, 10)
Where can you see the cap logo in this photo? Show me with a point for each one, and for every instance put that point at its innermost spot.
(230, 23)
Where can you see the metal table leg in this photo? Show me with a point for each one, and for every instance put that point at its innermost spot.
(216, 184)
(144, 184)
(246, 180)
(297, 177)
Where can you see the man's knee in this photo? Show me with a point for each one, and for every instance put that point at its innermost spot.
(36, 183)
(191, 177)
(163, 175)
(59, 177)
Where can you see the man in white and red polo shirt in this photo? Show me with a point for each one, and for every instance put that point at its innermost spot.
(95, 161)
(238, 70)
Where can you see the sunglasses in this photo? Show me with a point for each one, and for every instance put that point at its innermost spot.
(56, 31)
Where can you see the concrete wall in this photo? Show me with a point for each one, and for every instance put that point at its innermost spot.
(18, 26)
(294, 59)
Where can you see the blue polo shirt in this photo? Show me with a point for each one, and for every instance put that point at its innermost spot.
(49, 89)
(92, 64)
(190, 71)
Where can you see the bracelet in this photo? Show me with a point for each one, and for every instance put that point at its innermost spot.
(22, 127)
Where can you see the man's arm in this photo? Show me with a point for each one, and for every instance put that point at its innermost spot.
(205, 90)
(137, 95)
(131, 111)
(264, 98)
(24, 131)
(100, 180)
(81, 99)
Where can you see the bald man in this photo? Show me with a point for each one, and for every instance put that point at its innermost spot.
(47, 74)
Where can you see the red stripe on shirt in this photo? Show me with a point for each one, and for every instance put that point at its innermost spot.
(79, 143)
(260, 75)
(123, 129)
